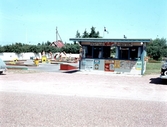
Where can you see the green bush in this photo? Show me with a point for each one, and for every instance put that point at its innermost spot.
(153, 61)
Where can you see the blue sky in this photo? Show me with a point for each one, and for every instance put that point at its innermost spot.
(35, 21)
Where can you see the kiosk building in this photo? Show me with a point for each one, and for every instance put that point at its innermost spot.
(113, 55)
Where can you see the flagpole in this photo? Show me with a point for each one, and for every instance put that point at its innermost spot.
(56, 35)
(26, 35)
(103, 33)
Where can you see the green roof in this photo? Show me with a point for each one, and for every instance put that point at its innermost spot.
(108, 40)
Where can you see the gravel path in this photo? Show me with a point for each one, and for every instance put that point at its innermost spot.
(30, 110)
(38, 99)
(89, 85)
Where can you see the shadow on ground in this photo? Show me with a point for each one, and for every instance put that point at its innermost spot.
(158, 81)
(71, 71)
(3, 74)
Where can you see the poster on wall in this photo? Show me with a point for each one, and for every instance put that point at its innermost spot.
(117, 64)
(109, 65)
(133, 64)
(83, 63)
(89, 64)
(96, 64)
(138, 65)
(124, 64)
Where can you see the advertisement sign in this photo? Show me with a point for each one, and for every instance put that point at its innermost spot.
(96, 64)
(89, 64)
(124, 64)
(117, 64)
(109, 65)
(109, 43)
(138, 65)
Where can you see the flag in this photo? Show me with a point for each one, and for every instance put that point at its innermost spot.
(105, 30)
(125, 37)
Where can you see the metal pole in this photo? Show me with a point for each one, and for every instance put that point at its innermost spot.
(56, 35)
(142, 59)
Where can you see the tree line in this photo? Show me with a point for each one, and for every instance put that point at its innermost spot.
(155, 50)
(19, 47)
(22, 48)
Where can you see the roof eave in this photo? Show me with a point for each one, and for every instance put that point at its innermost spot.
(109, 40)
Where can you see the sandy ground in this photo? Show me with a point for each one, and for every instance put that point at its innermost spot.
(85, 84)
(49, 99)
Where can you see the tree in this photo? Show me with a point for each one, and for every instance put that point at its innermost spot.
(85, 34)
(92, 34)
(25, 48)
(17, 47)
(164, 53)
(1, 49)
(78, 34)
(48, 43)
(157, 49)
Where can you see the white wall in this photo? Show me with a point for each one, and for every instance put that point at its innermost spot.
(26, 56)
(21, 56)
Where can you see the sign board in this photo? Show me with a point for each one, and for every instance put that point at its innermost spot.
(117, 64)
(89, 64)
(96, 43)
(138, 65)
(109, 44)
(109, 65)
(102, 43)
(96, 64)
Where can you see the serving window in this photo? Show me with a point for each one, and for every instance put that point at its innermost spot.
(124, 53)
(112, 52)
(103, 52)
(132, 53)
(97, 52)
(88, 51)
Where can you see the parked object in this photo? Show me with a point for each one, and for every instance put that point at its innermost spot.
(164, 71)
(36, 62)
(2, 66)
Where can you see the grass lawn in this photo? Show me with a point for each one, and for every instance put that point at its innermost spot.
(153, 68)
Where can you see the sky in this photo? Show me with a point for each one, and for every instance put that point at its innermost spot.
(35, 21)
